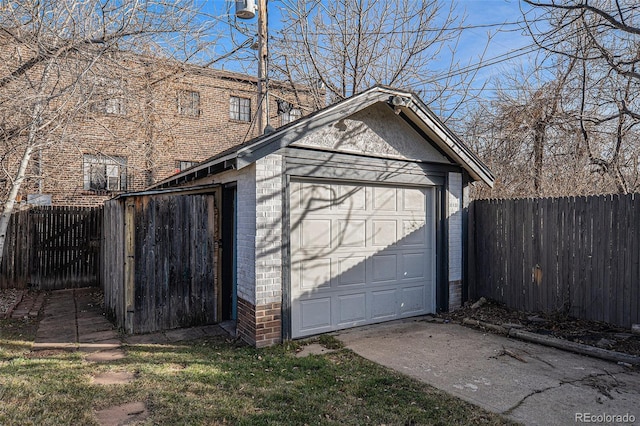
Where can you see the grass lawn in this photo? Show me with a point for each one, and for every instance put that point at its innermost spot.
(214, 381)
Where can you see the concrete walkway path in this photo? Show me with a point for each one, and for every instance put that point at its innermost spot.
(528, 383)
(73, 320)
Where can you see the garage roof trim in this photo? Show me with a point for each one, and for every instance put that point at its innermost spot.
(412, 106)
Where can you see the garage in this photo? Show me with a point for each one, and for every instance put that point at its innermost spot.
(352, 215)
(360, 254)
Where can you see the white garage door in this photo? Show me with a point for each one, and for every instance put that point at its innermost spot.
(360, 254)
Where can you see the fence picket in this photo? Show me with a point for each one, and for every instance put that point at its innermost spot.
(50, 248)
(579, 254)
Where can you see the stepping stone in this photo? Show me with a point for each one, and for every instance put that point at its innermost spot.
(313, 349)
(122, 414)
(113, 378)
(106, 355)
(99, 346)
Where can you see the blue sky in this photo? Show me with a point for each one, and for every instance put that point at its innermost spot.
(505, 39)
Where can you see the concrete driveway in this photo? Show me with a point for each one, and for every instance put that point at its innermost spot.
(528, 383)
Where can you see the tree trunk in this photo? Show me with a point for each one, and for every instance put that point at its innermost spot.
(31, 142)
(11, 199)
(538, 155)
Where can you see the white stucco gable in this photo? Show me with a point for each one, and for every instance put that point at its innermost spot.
(373, 131)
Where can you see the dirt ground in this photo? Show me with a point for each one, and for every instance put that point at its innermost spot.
(592, 333)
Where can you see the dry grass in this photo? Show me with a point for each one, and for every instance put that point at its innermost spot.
(219, 382)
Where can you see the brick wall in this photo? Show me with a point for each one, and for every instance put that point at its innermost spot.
(246, 324)
(259, 274)
(268, 324)
(268, 249)
(454, 222)
(152, 134)
(246, 234)
(259, 325)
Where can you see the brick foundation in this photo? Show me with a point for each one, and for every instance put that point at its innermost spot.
(260, 326)
(246, 325)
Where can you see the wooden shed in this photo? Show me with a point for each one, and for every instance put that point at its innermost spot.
(350, 216)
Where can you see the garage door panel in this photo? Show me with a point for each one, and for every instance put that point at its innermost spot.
(385, 268)
(365, 256)
(315, 233)
(385, 199)
(352, 270)
(413, 232)
(383, 304)
(315, 274)
(315, 196)
(385, 232)
(351, 308)
(351, 198)
(413, 199)
(413, 265)
(353, 233)
(314, 313)
(412, 300)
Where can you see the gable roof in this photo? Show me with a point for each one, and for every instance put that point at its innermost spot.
(408, 104)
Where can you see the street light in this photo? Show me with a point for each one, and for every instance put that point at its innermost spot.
(246, 9)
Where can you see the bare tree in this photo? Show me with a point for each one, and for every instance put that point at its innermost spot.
(342, 47)
(60, 57)
(602, 38)
(568, 123)
(524, 134)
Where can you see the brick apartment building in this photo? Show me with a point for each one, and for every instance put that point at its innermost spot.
(145, 121)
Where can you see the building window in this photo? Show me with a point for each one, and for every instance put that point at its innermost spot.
(189, 103)
(289, 116)
(107, 96)
(240, 109)
(184, 165)
(287, 112)
(104, 173)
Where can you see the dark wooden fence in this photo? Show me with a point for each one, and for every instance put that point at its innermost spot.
(578, 256)
(160, 261)
(49, 248)
(14, 268)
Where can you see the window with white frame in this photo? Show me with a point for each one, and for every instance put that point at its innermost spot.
(240, 109)
(107, 96)
(287, 112)
(289, 116)
(189, 103)
(104, 173)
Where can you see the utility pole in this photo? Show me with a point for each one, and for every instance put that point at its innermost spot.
(246, 9)
(263, 57)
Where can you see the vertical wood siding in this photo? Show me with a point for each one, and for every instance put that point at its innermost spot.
(165, 277)
(49, 248)
(112, 254)
(577, 255)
